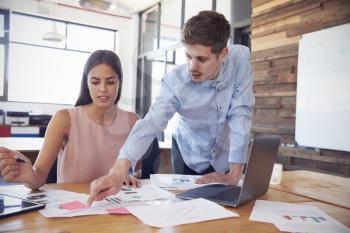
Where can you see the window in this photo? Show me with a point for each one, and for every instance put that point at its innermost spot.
(50, 72)
(192, 7)
(150, 30)
(4, 38)
(241, 22)
(170, 23)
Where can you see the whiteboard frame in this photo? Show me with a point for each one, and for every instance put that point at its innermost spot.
(323, 89)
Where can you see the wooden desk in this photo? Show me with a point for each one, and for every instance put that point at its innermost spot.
(35, 222)
(318, 186)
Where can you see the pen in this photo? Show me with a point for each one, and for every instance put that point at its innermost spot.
(19, 160)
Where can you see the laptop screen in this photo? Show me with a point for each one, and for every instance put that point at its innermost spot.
(259, 167)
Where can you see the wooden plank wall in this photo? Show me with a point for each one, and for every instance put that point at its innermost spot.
(276, 27)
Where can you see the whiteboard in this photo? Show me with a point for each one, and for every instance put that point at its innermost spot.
(323, 89)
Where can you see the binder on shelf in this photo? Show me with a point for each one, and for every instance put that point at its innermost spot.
(5, 131)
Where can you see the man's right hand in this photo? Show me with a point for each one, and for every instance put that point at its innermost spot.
(109, 184)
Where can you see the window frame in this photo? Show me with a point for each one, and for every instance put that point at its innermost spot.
(5, 41)
(5, 97)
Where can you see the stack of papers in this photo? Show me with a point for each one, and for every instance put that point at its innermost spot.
(172, 214)
(295, 218)
(60, 203)
(178, 182)
(147, 192)
(175, 181)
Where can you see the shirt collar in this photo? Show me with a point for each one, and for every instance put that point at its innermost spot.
(220, 77)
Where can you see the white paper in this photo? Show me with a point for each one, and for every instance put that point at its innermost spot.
(295, 217)
(127, 197)
(175, 181)
(98, 207)
(172, 214)
(147, 192)
(178, 182)
(54, 198)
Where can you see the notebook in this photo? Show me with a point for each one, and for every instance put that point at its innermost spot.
(258, 172)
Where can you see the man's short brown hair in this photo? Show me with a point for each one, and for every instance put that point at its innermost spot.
(208, 28)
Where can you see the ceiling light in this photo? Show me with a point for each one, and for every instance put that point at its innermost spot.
(98, 4)
(53, 34)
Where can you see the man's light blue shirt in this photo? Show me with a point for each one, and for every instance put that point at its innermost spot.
(214, 116)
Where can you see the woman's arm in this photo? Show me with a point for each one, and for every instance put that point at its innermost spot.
(57, 131)
(15, 167)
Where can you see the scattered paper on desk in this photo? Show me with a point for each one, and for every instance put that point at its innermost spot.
(43, 195)
(174, 181)
(73, 205)
(147, 192)
(295, 217)
(172, 214)
(121, 210)
(177, 181)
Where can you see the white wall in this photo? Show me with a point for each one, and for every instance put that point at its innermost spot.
(126, 47)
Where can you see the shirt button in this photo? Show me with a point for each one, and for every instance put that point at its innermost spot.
(220, 107)
(217, 89)
(221, 123)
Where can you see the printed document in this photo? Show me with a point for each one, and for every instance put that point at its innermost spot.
(184, 212)
(295, 217)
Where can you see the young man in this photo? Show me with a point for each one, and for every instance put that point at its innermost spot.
(213, 95)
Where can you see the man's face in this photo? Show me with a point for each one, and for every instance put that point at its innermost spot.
(202, 63)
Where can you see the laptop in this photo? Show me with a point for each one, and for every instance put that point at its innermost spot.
(10, 205)
(256, 182)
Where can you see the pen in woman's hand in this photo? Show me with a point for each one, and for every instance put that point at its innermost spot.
(20, 160)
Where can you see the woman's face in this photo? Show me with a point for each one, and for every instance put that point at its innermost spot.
(103, 85)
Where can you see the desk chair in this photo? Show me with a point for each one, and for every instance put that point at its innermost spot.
(52, 177)
(149, 162)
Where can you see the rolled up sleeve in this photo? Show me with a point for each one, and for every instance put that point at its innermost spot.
(240, 111)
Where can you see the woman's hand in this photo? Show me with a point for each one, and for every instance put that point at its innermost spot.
(15, 167)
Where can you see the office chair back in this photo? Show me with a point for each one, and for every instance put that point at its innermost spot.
(150, 160)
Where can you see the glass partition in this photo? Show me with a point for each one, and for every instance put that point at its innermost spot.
(192, 7)
(170, 23)
(150, 29)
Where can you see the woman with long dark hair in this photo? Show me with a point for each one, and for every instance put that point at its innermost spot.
(85, 139)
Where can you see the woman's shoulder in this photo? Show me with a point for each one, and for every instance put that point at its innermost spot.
(132, 117)
(62, 114)
(62, 117)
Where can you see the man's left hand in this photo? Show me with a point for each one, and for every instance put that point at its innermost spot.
(230, 178)
(216, 177)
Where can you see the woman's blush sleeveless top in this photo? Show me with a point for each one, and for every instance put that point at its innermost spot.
(91, 148)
